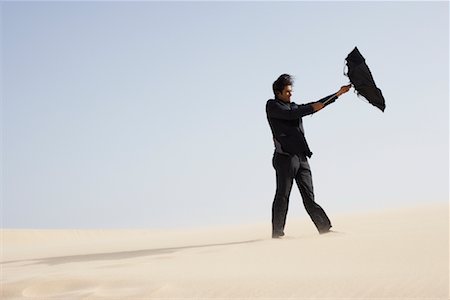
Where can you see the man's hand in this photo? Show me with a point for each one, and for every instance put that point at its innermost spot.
(344, 89)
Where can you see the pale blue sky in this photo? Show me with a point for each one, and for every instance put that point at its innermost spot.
(152, 114)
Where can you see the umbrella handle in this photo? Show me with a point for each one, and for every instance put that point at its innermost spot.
(328, 100)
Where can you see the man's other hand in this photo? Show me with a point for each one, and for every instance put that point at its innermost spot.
(344, 89)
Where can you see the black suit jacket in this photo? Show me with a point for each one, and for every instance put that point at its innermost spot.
(285, 120)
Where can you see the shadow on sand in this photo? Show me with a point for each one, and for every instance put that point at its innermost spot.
(119, 255)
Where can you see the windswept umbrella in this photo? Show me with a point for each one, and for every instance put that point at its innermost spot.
(362, 80)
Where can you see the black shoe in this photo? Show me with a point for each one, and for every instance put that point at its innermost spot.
(325, 230)
(277, 234)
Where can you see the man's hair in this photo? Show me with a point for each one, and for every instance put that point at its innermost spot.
(281, 82)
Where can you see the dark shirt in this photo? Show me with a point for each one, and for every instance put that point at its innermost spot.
(285, 120)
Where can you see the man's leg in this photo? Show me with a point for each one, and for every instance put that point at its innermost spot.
(284, 175)
(305, 185)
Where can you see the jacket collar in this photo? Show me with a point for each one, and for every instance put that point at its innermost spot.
(282, 102)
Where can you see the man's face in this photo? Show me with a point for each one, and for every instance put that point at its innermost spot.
(286, 94)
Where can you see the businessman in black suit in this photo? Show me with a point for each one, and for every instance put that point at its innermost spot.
(290, 159)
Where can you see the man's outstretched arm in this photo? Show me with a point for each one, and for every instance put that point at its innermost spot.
(279, 111)
(331, 98)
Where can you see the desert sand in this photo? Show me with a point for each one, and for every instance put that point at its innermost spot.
(400, 253)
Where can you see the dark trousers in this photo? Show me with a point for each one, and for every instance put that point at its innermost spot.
(288, 168)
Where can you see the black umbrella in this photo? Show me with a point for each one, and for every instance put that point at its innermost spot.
(362, 80)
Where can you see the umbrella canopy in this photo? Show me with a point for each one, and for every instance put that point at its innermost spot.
(362, 80)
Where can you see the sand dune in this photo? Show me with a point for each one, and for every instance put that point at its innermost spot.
(396, 254)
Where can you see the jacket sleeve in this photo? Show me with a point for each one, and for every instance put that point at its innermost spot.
(278, 111)
(331, 99)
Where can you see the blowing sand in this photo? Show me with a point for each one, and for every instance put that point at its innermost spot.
(396, 254)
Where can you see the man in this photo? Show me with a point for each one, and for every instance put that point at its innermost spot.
(290, 159)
